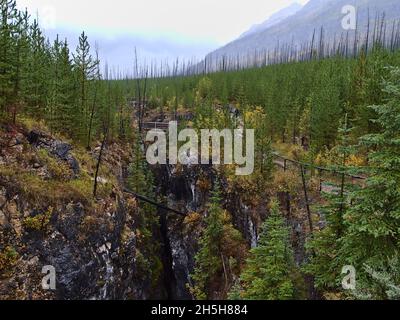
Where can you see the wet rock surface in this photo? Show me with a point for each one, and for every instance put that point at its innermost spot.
(188, 189)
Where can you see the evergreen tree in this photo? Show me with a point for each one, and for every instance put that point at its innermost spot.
(208, 260)
(263, 155)
(21, 54)
(326, 110)
(323, 248)
(221, 246)
(139, 177)
(269, 272)
(38, 71)
(373, 221)
(8, 24)
(62, 111)
(384, 280)
(141, 181)
(85, 67)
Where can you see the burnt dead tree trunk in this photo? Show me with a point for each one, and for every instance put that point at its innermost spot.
(106, 130)
(303, 177)
(93, 109)
(103, 145)
(91, 118)
(138, 92)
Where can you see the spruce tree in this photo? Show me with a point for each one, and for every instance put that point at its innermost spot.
(384, 280)
(220, 246)
(269, 272)
(208, 261)
(147, 219)
(323, 248)
(373, 221)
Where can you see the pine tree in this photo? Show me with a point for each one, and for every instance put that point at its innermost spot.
(21, 54)
(85, 67)
(326, 110)
(38, 71)
(269, 272)
(62, 102)
(8, 23)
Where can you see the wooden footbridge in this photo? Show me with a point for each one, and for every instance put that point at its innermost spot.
(162, 126)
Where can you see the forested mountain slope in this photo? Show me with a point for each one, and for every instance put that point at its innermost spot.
(299, 28)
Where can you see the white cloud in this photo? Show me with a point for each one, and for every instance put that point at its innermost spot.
(160, 29)
(212, 20)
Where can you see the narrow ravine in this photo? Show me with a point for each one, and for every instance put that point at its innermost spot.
(167, 259)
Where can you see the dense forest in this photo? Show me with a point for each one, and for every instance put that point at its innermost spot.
(338, 113)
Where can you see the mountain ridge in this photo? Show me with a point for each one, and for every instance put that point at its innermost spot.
(274, 19)
(299, 28)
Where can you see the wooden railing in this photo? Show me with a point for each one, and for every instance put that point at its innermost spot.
(326, 184)
(164, 126)
(283, 163)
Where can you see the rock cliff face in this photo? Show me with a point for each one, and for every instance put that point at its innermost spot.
(96, 264)
(187, 188)
(92, 247)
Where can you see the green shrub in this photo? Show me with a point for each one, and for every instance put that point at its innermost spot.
(8, 258)
(40, 221)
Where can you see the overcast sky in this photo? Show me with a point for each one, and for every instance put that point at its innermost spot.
(159, 28)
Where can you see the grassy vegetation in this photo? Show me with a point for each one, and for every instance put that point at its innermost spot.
(8, 259)
(40, 221)
(37, 190)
